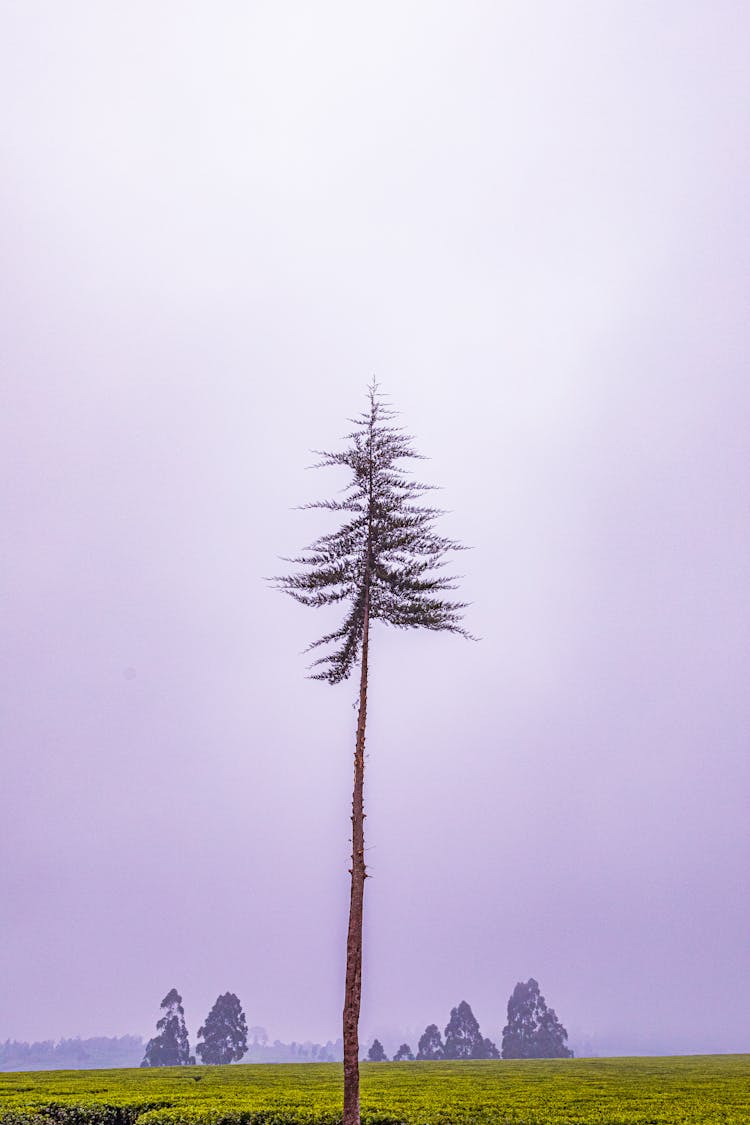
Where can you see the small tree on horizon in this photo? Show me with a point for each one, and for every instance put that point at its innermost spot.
(463, 1039)
(258, 1036)
(430, 1045)
(385, 563)
(376, 1052)
(223, 1037)
(170, 1047)
(404, 1054)
(533, 1030)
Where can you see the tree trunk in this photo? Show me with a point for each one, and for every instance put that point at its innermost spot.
(353, 988)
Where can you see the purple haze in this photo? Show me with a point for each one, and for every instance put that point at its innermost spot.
(530, 221)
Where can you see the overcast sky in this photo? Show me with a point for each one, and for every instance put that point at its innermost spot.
(529, 220)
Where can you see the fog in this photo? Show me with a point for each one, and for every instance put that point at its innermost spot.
(530, 222)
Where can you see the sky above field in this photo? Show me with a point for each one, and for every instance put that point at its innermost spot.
(529, 221)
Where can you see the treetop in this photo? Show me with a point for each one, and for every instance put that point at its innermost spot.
(386, 561)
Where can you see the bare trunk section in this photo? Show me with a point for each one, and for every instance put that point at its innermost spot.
(353, 988)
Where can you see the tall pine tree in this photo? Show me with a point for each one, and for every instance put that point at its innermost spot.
(384, 564)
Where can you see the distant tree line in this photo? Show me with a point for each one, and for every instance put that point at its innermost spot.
(533, 1031)
(223, 1038)
(463, 1040)
(278, 1052)
(101, 1052)
(108, 1053)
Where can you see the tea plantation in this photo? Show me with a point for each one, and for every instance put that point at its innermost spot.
(693, 1090)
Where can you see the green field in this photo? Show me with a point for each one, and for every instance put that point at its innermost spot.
(693, 1090)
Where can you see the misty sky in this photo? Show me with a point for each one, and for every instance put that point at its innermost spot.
(529, 220)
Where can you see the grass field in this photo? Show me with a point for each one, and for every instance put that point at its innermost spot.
(692, 1090)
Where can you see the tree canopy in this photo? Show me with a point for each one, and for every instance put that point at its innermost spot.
(376, 1052)
(431, 1043)
(533, 1030)
(170, 1047)
(223, 1037)
(385, 561)
(463, 1039)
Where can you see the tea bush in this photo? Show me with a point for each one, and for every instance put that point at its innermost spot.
(694, 1090)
